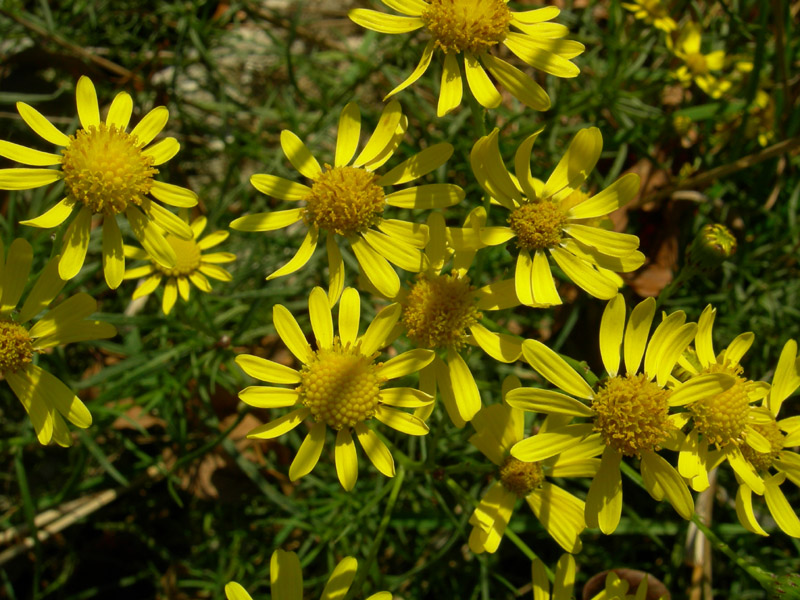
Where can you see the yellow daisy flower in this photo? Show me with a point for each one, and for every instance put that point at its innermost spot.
(191, 265)
(473, 28)
(752, 439)
(45, 398)
(630, 413)
(498, 427)
(442, 312)
(728, 420)
(564, 583)
(348, 199)
(286, 580)
(652, 12)
(697, 66)
(340, 385)
(556, 218)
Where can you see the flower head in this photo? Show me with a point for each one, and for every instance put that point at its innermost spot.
(191, 265)
(653, 12)
(630, 414)
(286, 580)
(556, 218)
(474, 29)
(45, 398)
(498, 427)
(106, 171)
(340, 385)
(698, 67)
(348, 199)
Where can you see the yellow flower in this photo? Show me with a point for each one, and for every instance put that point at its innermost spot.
(750, 438)
(498, 427)
(348, 199)
(556, 218)
(45, 398)
(615, 588)
(630, 413)
(442, 312)
(475, 28)
(653, 12)
(697, 66)
(286, 580)
(106, 171)
(340, 385)
(191, 265)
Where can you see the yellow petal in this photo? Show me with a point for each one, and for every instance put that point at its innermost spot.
(234, 591)
(174, 195)
(119, 113)
(27, 179)
(299, 155)
(377, 269)
(321, 320)
(547, 401)
(744, 510)
(150, 126)
(608, 200)
(703, 342)
(340, 580)
(402, 422)
(383, 23)
(779, 507)
(376, 450)
(113, 256)
(86, 100)
(285, 576)
(539, 58)
(420, 164)
(47, 287)
(396, 251)
(576, 163)
(555, 369)
(419, 71)
(170, 295)
(522, 87)
(612, 327)
(402, 397)
(278, 187)
(291, 334)
(584, 275)
(41, 415)
(699, 387)
(544, 445)
(479, 83)
(637, 333)
(500, 346)
(303, 255)
(266, 370)
(670, 482)
(465, 390)
(309, 452)
(607, 242)
(349, 316)
(279, 426)
(348, 134)
(260, 396)
(403, 364)
(560, 513)
(432, 195)
(150, 237)
(346, 459)
(380, 329)
(39, 123)
(15, 273)
(383, 136)
(75, 244)
(162, 151)
(604, 499)
(53, 217)
(28, 156)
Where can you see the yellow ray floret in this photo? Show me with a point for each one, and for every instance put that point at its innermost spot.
(106, 171)
(340, 386)
(468, 33)
(45, 398)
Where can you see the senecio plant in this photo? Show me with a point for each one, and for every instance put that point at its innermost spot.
(404, 334)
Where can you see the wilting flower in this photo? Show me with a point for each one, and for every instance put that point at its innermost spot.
(286, 580)
(556, 218)
(474, 29)
(45, 398)
(106, 171)
(630, 413)
(348, 200)
(497, 428)
(340, 385)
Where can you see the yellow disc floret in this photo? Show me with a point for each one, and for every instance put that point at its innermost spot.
(344, 200)
(340, 386)
(538, 225)
(763, 460)
(722, 418)
(105, 169)
(632, 414)
(439, 310)
(16, 347)
(467, 25)
(520, 477)
(187, 257)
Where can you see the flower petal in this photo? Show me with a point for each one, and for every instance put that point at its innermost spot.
(340, 580)
(267, 370)
(744, 510)
(425, 197)
(150, 126)
(150, 237)
(309, 452)
(346, 459)
(376, 268)
(604, 499)
(522, 87)
(383, 136)
(162, 151)
(86, 100)
(47, 287)
(321, 320)
(299, 155)
(376, 450)
(637, 333)
(113, 256)
(500, 346)
(420, 164)
(75, 244)
(379, 332)
(27, 179)
(119, 113)
(542, 282)
(402, 422)
(348, 134)
(419, 71)
(174, 195)
(39, 123)
(15, 273)
(670, 482)
(260, 396)
(779, 507)
(291, 334)
(545, 445)
(234, 591)
(548, 402)
(555, 369)
(278, 187)
(285, 576)
(403, 364)
(479, 83)
(383, 23)
(28, 156)
(584, 275)
(561, 514)
(279, 426)
(53, 217)
(303, 255)
(608, 200)
(700, 387)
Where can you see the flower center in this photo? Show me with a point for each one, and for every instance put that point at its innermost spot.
(16, 347)
(763, 460)
(439, 310)
(344, 200)
(520, 477)
(538, 224)
(105, 169)
(697, 64)
(632, 414)
(467, 25)
(722, 418)
(187, 257)
(340, 386)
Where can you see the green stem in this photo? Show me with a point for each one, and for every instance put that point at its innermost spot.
(683, 276)
(384, 524)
